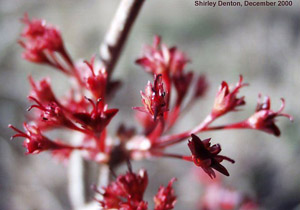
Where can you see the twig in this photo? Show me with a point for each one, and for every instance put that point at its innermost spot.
(76, 180)
(118, 32)
(76, 176)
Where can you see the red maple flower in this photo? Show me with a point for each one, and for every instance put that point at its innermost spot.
(154, 98)
(98, 118)
(42, 91)
(207, 156)
(39, 37)
(35, 141)
(165, 198)
(227, 100)
(52, 114)
(264, 118)
(159, 59)
(126, 192)
(42, 42)
(96, 82)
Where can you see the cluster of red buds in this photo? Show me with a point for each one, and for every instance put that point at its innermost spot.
(127, 192)
(84, 110)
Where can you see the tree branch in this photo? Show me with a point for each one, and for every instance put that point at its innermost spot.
(118, 32)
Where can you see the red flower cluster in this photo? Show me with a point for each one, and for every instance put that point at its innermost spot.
(85, 110)
(127, 192)
(263, 119)
(43, 43)
(167, 65)
(170, 63)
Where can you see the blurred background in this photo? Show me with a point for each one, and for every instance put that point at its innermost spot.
(261, 43)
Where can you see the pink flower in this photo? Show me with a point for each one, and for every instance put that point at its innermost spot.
(36, 142)
(227, 100)
(206, 156)
(153, 99)
(264, 118)
(165, 198)
(218, 197)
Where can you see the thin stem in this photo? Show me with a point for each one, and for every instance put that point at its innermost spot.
(76, 176)
(56, 63)
(239, 125)
(118, 32)
(173, 117)
(103, 179)
(173, 139)
(171, 155)
(208, 120)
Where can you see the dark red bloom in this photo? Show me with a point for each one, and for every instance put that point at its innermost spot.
(98, 118)
(227, 100)
(35, 141)
(264, 118)
(206, 156)
(154, 98)
(126, 192)
(159, 59)
(165, 198)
